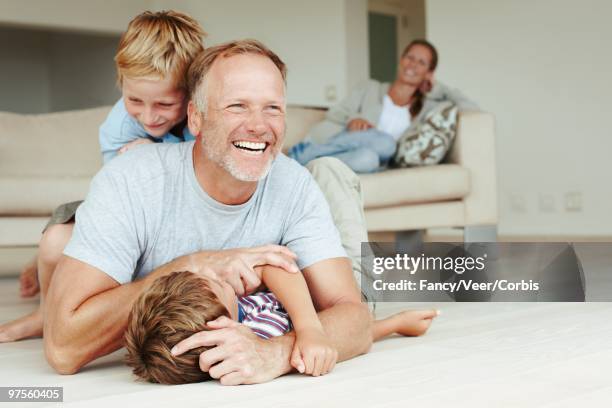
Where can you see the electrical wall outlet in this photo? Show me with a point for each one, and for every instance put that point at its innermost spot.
(573, 201)
(547, 202)
(331, 93)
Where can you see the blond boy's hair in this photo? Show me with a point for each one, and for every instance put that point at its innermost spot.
(159, 44)
(173, 308)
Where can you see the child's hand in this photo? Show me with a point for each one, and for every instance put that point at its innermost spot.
(133, 144)
(313, 353)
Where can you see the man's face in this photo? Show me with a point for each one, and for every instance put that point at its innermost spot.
(155, 103)
(244, 125)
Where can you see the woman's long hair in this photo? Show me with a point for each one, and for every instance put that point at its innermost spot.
(419, 96)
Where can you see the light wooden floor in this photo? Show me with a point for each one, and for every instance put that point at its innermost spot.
(475, 355)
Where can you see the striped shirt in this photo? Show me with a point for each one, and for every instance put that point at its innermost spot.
(263, 314)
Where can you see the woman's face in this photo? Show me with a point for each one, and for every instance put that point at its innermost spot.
(414, 66)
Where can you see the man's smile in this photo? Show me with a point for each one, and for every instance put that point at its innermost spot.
(251, 147)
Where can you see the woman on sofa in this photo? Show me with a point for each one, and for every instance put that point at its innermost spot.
(363, 130)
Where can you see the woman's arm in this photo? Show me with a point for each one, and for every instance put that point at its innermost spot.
(442, 92)
(338, 117)
(350, 107)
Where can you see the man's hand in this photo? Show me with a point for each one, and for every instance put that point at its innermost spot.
(134, 143)
(313, 353)
(237, 356)
(358, 124)
(237, 266)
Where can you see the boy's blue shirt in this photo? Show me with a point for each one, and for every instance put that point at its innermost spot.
(120, 128)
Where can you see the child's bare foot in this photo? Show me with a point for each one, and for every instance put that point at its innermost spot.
(27, 326)
(413, 322)
(28, 280)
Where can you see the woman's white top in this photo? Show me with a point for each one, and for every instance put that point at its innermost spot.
(394, 119)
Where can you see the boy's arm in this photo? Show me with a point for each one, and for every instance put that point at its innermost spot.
(292, 292)
(313, 353)
(346, 321)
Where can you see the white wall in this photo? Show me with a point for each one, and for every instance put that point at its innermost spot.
(543, 68)
(24, 75)
(356, 43)
(410, 18)
(48, 71)
(82, 71)
(323, 42)
(109, 16)
(310, 36)
(44, 64)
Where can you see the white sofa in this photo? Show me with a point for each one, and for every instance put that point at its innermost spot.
(49, 159)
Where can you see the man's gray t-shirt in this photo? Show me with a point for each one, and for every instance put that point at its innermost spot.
(146, 208)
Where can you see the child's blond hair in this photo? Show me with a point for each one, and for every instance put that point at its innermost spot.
(159, 44)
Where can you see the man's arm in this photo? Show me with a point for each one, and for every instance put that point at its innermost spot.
(346, 320)
(86, 312)
(237, 356)
(331, 285)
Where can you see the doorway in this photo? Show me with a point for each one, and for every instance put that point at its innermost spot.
(392, 24)
(382, 29)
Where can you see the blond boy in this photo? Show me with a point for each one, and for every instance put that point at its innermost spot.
(152, 61)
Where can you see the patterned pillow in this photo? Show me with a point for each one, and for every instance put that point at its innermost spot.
(429, 141)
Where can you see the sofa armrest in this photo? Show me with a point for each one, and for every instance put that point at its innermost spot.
(474, 149)
(299, 121)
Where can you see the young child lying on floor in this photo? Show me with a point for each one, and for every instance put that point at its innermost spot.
(181, 304)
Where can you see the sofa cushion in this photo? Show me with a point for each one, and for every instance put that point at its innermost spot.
(39, 195)
(416, 216)
(52, 144)
(21, 231)
(73, 135)
(415, 185)
(299, 121)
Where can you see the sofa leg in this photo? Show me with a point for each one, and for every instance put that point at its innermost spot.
(473, 236)
(480, 233)
(408, 241)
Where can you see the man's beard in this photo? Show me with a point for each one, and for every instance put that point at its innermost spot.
(214, 149)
